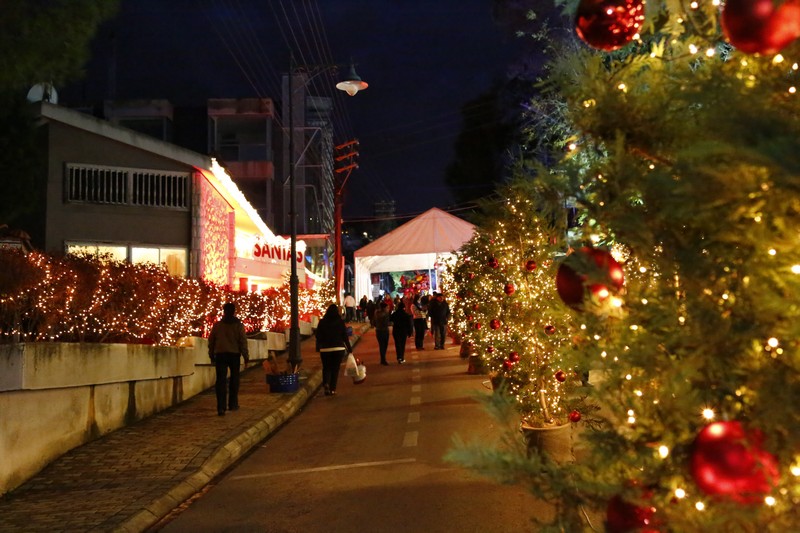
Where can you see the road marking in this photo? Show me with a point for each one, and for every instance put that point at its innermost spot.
(413, 418)
(416, 388)
(328, 468)
(416, 400)
(410, 439)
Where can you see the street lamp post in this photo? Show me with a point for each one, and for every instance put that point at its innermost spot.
(351, 85)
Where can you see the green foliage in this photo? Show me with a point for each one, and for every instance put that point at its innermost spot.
(688, 156)
(47, 40)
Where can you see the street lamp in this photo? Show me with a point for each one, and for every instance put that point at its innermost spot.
(351, 85)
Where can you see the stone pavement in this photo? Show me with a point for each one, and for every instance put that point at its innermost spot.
(131, 478)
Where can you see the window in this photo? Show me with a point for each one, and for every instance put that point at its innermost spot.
(126, 186)
(115, 253)
(173, 258)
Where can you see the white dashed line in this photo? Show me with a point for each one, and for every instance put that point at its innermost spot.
(413, 418)
(410, 439)
(416, 400)
(416, 388)
(334, 467)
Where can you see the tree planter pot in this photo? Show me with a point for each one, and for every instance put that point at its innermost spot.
(554, 441)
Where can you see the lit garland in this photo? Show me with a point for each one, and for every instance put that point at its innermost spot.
(86, 299)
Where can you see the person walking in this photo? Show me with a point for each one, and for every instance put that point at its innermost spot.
(381, 323)
(419, 314)
(361, 312)
(349, 307)
(227, 342)
(333, 345)
(401, 330)
(439, 312)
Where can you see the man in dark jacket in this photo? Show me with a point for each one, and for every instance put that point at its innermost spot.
(439, 312)
(226, 343)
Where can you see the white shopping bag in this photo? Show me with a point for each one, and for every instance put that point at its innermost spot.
(361, 376)
(351, 367)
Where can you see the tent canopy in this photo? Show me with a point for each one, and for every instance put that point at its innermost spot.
(416, 245)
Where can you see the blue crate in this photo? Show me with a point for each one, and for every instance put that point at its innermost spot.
(283, 382)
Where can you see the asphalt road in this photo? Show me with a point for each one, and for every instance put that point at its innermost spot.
(369, 460)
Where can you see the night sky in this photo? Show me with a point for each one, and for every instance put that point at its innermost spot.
(423, 60)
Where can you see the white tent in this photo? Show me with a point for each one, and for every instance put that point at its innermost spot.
(416, 245)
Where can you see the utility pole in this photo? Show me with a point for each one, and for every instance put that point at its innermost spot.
(345, 155)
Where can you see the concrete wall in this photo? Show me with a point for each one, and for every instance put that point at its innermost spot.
(57, 396)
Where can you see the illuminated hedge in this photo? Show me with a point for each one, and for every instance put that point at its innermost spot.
(76, 298)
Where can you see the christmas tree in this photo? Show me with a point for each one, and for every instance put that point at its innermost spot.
(686, 155)
(502, 279)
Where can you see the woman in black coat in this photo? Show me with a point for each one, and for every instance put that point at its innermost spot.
(402, 328)
(333, 345)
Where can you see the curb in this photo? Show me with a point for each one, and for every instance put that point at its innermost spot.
(224, 456)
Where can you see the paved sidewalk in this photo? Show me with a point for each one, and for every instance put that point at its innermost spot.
(131, 478)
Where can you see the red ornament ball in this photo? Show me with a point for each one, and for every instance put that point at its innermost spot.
(469, 318)
(508, 365)
(471, 275)
(561, 376)
(477, 325)
(759, 26)
(575, 416)
(494, 323)
(513, 357)
(493, 262)
(588, 268)
(624, 517)
(509, 289)
(474, 307)
(728, 461)
(549, 329)
(608, 24)
(490, 349)
(530, 265)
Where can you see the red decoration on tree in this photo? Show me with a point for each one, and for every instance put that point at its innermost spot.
(602, 275)
(759, 26)
(477, 325)
(493, 262)
(549, 329)
(508, 365)
(469, 318)
(561, 376)
(624, 517)
(490, 349)
(513, 357)
(494, 323)
(509, 289)
(530, 266)
(575, 416)
(471, 275)
(608, 24)
(727, 461)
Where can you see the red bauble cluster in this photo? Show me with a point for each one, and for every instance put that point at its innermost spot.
(494, 323)
(759, 27)
(729, 462)
(509, 289)
(511, 360)
(624, 517)
(592, 269)
(609, 24)
(493, 262)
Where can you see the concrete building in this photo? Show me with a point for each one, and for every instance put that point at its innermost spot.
(108, 189)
